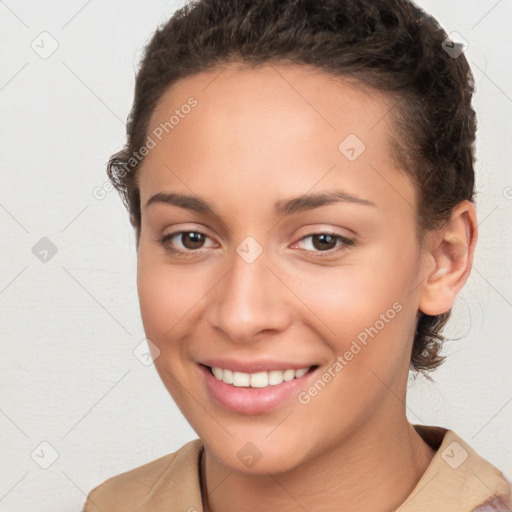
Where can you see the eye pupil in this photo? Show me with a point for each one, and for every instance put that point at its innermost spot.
(197, 239)
(326, 238)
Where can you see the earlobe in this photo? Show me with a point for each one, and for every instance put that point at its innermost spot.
(451, 251)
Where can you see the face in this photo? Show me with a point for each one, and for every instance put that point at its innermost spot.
(295, 249)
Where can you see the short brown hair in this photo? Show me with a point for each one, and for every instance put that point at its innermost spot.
(388, 45)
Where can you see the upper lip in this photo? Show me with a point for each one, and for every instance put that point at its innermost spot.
(254, 366)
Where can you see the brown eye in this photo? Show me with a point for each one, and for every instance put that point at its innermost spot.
(324, 244)
(183, 242)
(324, 241)
(192, 239)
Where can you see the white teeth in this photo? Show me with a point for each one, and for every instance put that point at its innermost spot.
(288, 375)
(275, 377)
(301, 372)
(227, 376)
(258, 379)
(241, 379)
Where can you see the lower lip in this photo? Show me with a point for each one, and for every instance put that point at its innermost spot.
(247, 400)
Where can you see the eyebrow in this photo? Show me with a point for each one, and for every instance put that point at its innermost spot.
(283, 207)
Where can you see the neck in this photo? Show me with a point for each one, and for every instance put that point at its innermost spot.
(388, 460)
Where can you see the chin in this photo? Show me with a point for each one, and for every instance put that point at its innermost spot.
(257, 457)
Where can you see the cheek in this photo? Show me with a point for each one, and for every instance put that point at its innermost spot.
(369, 304)
(366, 317)
(166, 295)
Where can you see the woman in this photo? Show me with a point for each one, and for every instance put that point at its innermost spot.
(300, 178)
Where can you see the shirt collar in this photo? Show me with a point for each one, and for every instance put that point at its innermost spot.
(456, 480)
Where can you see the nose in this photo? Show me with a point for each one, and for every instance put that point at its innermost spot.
(249, 299)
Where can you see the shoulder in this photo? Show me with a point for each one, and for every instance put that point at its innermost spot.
(133, 489)
(468, 469)
(458, 478)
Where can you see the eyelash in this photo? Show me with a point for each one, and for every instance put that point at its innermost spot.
(316, 254)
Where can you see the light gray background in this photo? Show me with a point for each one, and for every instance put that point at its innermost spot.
(68, 375)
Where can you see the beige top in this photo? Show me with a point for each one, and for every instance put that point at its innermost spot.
(457, 480)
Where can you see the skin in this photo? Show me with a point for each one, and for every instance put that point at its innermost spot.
(257, 136)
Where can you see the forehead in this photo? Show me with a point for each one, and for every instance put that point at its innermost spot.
(284, 127)
(307, 98)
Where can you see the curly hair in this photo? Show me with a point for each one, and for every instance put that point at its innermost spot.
(391, 46)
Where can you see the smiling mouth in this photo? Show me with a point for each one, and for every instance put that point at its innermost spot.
(261, 379)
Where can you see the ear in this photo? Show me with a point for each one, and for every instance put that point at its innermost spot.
(449, 257)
